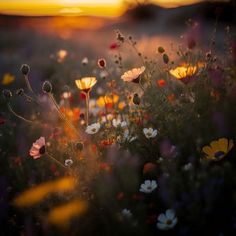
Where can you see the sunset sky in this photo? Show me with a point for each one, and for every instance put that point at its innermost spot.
(75, 7)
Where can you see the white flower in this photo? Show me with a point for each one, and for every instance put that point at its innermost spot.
(126, 213)
(93, 129)
(150, 132)
(148, 186)
(167, 221)
(68, 162)
(126, 137)
(188, 166)
(103, 74)
(84, 61)
(117, 122)
(133, 75)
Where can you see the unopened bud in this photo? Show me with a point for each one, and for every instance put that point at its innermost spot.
(47, 87)
(25, 69)
(136, 99)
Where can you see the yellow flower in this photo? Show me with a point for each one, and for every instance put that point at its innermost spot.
(85, 84)
(107, 100)
(133, 75)
(218, 149)
(181, 72)
(7, 79)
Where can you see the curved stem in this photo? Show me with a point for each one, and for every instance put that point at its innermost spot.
(18, 116)
(28, 83)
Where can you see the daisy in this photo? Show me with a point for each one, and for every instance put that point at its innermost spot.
(218, 149)
(167, 221)
(118, 123)
(38, 148)
(93, 129)
(150, 132)
(133, 75)
(85, 84)
(148, 186)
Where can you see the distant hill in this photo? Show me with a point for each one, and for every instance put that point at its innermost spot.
(225, 12)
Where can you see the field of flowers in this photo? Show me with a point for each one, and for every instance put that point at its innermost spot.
(132, 145)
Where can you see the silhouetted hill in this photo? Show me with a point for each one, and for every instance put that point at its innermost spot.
(209, 11)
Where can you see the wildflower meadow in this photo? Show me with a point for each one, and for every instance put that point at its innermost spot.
(130, 140)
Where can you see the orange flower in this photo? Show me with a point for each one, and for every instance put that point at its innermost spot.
(161, 82)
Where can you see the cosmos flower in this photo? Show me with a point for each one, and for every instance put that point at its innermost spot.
(84, 61)
(167, 221)
(93, 129)
(181, 72)
(150, 132)
(61, 55)
(148, 186)
(218, 149)
(107, 101)
(133, 75)
(38, 148)
(85, 84)
(118, 123)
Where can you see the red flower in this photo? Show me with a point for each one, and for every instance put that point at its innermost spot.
(149, 168)
(114, 46)
(105, 167)
(161, 82)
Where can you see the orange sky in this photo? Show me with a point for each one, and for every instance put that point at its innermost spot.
(75, 7)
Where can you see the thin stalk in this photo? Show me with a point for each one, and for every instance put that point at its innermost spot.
(87, 108)
(17, 115)
(28, 83)
(61, 115)
(54, 159)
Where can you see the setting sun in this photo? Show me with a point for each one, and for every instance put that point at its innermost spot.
(109, 8)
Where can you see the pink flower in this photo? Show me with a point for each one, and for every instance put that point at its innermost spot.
(38, 148)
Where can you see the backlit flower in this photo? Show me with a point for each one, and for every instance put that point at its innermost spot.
(61, 55)
(181, 72)
(84, 61)
(7, 79)
(133, 75)
(85, 84)
(148, 186)
(150, 132)
(38, 148)
(126, 213)
(218, 149)
(107, 101)
(167, 221)
(93, 129)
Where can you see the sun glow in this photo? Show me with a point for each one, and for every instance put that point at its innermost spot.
(75, 7)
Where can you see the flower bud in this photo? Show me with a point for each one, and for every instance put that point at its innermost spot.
(161, 50)
(47, 87)
(7, 94)
(136, 99)
(79, 146)
(102, 63)
(165, 58)
(25, 69)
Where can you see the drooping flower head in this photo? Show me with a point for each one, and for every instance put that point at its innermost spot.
(218, 149)
(167, 221)
(133, 75)
(38, 148)
(85, 84)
